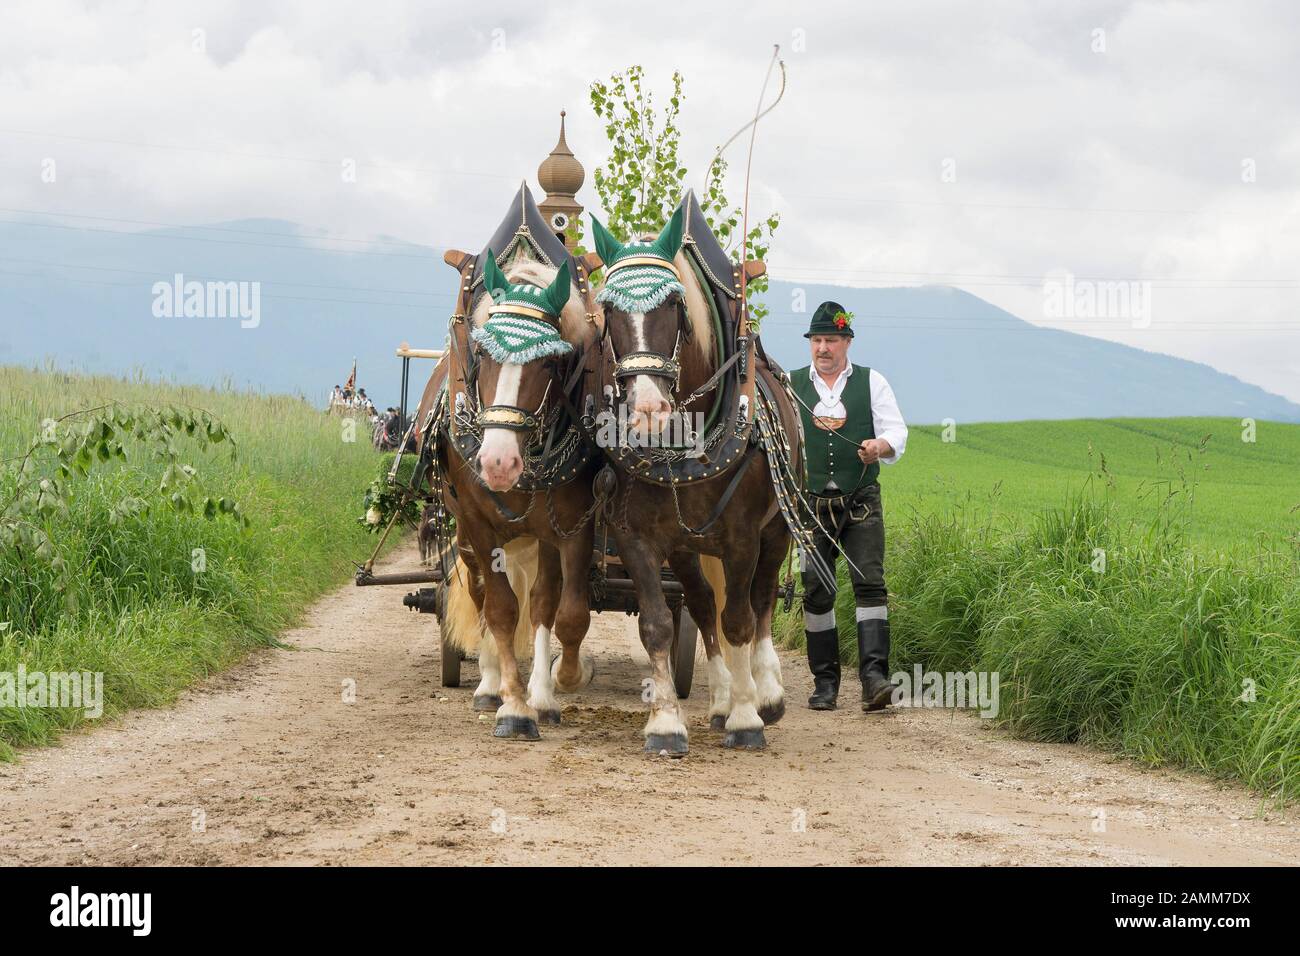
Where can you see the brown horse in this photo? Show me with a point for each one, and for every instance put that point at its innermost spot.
(510, 462)
(662, 354)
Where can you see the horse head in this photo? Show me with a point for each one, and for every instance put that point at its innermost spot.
(520, 354)
(646, 318)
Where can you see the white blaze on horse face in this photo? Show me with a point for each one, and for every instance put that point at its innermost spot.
(650, 406)
(500, 457)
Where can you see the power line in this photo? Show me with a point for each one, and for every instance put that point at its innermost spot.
(159, 276)
(870, 200)
(179, 225)
(998, 205)
(878, 320)
(1038, 276)
(246, 155)
(299, 298)
(226, 242)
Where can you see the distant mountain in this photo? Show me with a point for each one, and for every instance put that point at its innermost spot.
(950, 354)
(87, 298)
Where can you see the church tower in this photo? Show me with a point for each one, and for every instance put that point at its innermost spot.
(561, 176)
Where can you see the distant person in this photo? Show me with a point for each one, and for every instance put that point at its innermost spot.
(845, 405)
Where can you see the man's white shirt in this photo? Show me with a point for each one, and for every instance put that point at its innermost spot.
(886, 419)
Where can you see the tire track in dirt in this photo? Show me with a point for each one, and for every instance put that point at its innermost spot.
(277, 769)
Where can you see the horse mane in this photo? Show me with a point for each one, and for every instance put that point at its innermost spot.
(697, 306)
(574, 327)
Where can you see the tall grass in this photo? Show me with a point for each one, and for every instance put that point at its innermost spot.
(140, 613)
(1167, 653)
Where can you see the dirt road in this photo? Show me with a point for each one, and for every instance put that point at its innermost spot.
(268, 764)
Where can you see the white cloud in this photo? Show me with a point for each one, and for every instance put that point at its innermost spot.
(1125, 163)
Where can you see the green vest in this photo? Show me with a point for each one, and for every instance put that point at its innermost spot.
(830, 458)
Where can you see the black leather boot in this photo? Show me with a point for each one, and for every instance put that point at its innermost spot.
(824, 662)
(873, 664)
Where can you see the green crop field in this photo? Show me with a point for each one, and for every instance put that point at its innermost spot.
(1240, 488)
(134, 606)
(1134, 583)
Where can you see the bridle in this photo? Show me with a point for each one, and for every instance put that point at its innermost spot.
(654, 364)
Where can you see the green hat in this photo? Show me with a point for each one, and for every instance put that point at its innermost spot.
(830, 319)
(518, 328)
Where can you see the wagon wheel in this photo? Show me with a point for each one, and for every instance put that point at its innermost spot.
(685, 635)
(449, 656)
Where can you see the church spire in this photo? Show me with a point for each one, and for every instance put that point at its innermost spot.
(561, 176)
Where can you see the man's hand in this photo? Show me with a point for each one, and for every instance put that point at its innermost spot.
(873, 449)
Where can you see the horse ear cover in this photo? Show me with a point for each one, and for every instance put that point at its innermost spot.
(607, 247)
(670, 240)
(494, 280)
(557, 293)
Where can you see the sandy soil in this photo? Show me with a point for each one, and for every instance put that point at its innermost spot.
(268, 764)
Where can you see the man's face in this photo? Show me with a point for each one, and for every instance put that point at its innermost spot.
(830, 353)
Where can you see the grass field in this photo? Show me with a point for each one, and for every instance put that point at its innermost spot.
(1181, 645)
(144, 616)
(1184, 648)
(1241, 489)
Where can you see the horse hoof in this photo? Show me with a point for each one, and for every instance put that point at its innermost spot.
(745, 739)
(674, 745)
(718, 722)
(771, 713)
(487, 703)
(587, 675)
(549, 717)
(516, 728)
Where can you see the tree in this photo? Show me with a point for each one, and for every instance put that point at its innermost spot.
(641, 182)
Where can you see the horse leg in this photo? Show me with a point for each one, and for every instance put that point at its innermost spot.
(487, 695)
(542, 602)
(702, 580)
(766, 665)
(515, 719)
(664, 731)
(573, 670)
(744, 726)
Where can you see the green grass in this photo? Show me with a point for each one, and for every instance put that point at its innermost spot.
(990, 562)
(143, 616)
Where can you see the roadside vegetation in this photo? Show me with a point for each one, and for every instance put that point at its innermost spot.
(143, 586)
(1134, 584)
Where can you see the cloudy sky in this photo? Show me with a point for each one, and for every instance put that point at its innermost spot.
(995, 146)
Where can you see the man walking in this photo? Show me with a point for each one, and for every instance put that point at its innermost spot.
(851, 426)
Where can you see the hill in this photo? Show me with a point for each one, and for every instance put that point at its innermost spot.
(84, 297)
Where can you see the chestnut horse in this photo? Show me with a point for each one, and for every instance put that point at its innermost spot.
(507, 456)
(660, 354)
